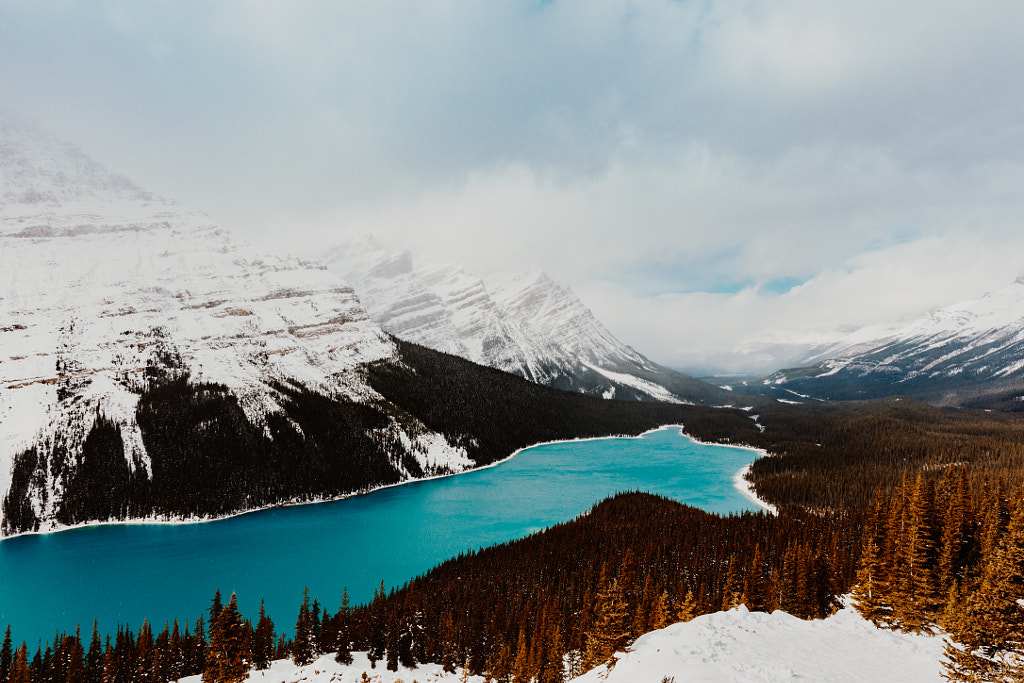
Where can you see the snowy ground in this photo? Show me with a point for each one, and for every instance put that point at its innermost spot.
(726, 647)
(740, 647)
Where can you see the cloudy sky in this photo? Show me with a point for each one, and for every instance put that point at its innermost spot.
(705, 175)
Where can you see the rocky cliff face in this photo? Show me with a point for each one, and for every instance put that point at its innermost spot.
(526, 324)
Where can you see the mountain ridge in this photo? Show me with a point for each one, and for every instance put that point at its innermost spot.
(525, 323)
(970, 353)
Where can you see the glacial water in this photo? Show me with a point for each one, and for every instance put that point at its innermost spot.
(125, 573)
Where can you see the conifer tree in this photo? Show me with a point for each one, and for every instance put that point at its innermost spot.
(75, 666)
(303, 651)
(659, 615)
(609, 632)
(6, 656)
(687, 608)
(263, 640)
(956, 531)
(914, 601)
(732, 591)
(343, 642)
(143, 659)
(94, 657)
(552, 668)
(755, 585)
(867, 594)
(215, 607)
(521, 666)
(162, 656)
(227, 659)
(988, 638)
(20, 672)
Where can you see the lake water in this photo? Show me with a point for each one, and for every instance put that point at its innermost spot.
(125, 573)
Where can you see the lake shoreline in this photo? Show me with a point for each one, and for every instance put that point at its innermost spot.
(739, 481)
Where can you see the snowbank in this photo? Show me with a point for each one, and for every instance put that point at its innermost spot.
(739, 646)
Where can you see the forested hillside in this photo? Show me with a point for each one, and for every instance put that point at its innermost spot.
(207, 458)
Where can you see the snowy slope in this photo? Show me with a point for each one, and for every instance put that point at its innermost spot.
(726, 647)
(740, 646)
(964, 352)
(100, 280)
(525, 324)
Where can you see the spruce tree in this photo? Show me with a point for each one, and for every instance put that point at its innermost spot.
(227, 660)
(6, 656)
(303, 643)
(659, 615)
(867, 594)
(915, 599)
(343, 643)
(75, 666)
(988, 638)
(687, 608)
(94, 657)
(263, 640)
(521, 665)
(20, 672)
(609, 632)
(552, 667)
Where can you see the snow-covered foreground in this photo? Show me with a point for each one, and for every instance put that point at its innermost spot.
(737, 646)
(740, 647)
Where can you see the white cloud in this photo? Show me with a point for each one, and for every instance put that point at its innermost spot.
(645, 151)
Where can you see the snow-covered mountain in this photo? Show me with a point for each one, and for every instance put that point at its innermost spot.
(105, 290)
(526, 324)
(968, 353)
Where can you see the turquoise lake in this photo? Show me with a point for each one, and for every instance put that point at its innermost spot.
(125, 573)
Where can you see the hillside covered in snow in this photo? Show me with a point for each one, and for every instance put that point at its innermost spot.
(526, 324)
(108, 293)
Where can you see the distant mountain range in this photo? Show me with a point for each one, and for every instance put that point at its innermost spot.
(525, 324)
(970, 353)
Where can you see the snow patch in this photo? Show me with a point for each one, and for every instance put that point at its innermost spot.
(656, 391)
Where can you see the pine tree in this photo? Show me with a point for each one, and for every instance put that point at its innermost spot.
(732, 591)
(215, 607)
(227, 659)
(552, 670)
(76, 660)
(755, 584)
(988, 638)
(6, 656)
(162, 656)
(609, 633)
(521, 665)
(687, 608)
(659, 615)
(303, 644)
(956, 532)
(143, 660)
(263, 640)
(343, 642)
(94, 657)
(867, 594)
(20, 672)
(915, 599)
